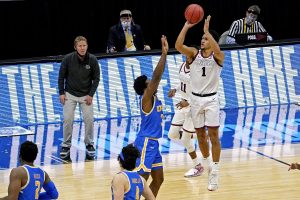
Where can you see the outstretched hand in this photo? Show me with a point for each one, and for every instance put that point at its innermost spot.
(206, 24)
(171, 93)
(182, 104)
(189, 25)
(294, 166)
(164, 44)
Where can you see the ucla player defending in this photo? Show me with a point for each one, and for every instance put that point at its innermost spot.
(205, 74)
(151, 129)
(182, 127)
(27, 180)
(128, 184)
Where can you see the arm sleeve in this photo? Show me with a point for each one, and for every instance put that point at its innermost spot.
(96, 77)
(233, 29)
(111, 43)
(62, 76)
(51, 191)
(261, 28)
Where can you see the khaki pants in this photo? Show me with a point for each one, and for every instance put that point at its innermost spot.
(88, 118)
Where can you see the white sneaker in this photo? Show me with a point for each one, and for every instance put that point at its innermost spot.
(213, 180)
(195, 171)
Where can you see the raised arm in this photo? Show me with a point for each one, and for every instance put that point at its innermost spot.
(218, 54)
(157, 74)
(189, 52)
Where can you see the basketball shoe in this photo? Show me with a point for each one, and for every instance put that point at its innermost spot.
(195, 171)
(213, 177)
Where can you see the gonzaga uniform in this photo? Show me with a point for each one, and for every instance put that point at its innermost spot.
(182, 116)
(205, 75)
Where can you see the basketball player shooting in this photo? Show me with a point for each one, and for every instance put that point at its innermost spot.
(205, 72)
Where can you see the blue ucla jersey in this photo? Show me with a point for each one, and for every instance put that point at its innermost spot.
(151, 122)
(36, 177)
(136, 185)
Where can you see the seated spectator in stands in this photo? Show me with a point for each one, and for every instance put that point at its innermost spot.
(249, 24)
(126, 35)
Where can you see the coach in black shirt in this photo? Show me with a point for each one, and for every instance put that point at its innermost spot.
(78, 80)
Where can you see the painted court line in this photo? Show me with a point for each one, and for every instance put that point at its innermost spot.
(259, 153)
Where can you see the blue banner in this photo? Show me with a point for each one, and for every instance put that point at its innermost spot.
(250, 77)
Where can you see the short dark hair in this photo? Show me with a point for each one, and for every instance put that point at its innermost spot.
(140, 84)
(28, 151)
(214, 34)
(255, 9)
(128, 157)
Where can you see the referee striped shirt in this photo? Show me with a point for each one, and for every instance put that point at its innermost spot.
(240, 26)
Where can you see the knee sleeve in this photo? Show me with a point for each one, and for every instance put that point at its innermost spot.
(174, 132)
(187, 142)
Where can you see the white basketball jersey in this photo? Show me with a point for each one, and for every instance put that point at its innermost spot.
(184, 87)
(205, 74)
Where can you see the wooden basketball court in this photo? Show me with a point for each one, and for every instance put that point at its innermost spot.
(244, 174)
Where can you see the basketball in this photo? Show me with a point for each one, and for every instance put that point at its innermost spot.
(194, 13)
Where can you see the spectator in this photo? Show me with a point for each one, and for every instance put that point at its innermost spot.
(126, 35)
(249, 24)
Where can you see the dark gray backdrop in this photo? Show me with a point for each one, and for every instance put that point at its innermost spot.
(48, 27)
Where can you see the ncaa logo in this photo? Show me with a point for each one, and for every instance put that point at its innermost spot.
(87, 67)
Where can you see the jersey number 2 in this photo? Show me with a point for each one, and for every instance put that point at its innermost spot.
(37, 190)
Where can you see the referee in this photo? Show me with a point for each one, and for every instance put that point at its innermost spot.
(249, 24)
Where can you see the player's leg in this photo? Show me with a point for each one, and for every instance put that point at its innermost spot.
(157, 173)
(157, 180)
(189, 143)
(213, 123)
(176, 125)
(197, 113)
(213, 133)
(202, 138)
(68, 112)
(145, 176)
(213, 182)
(149, 161)
(88, 119)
